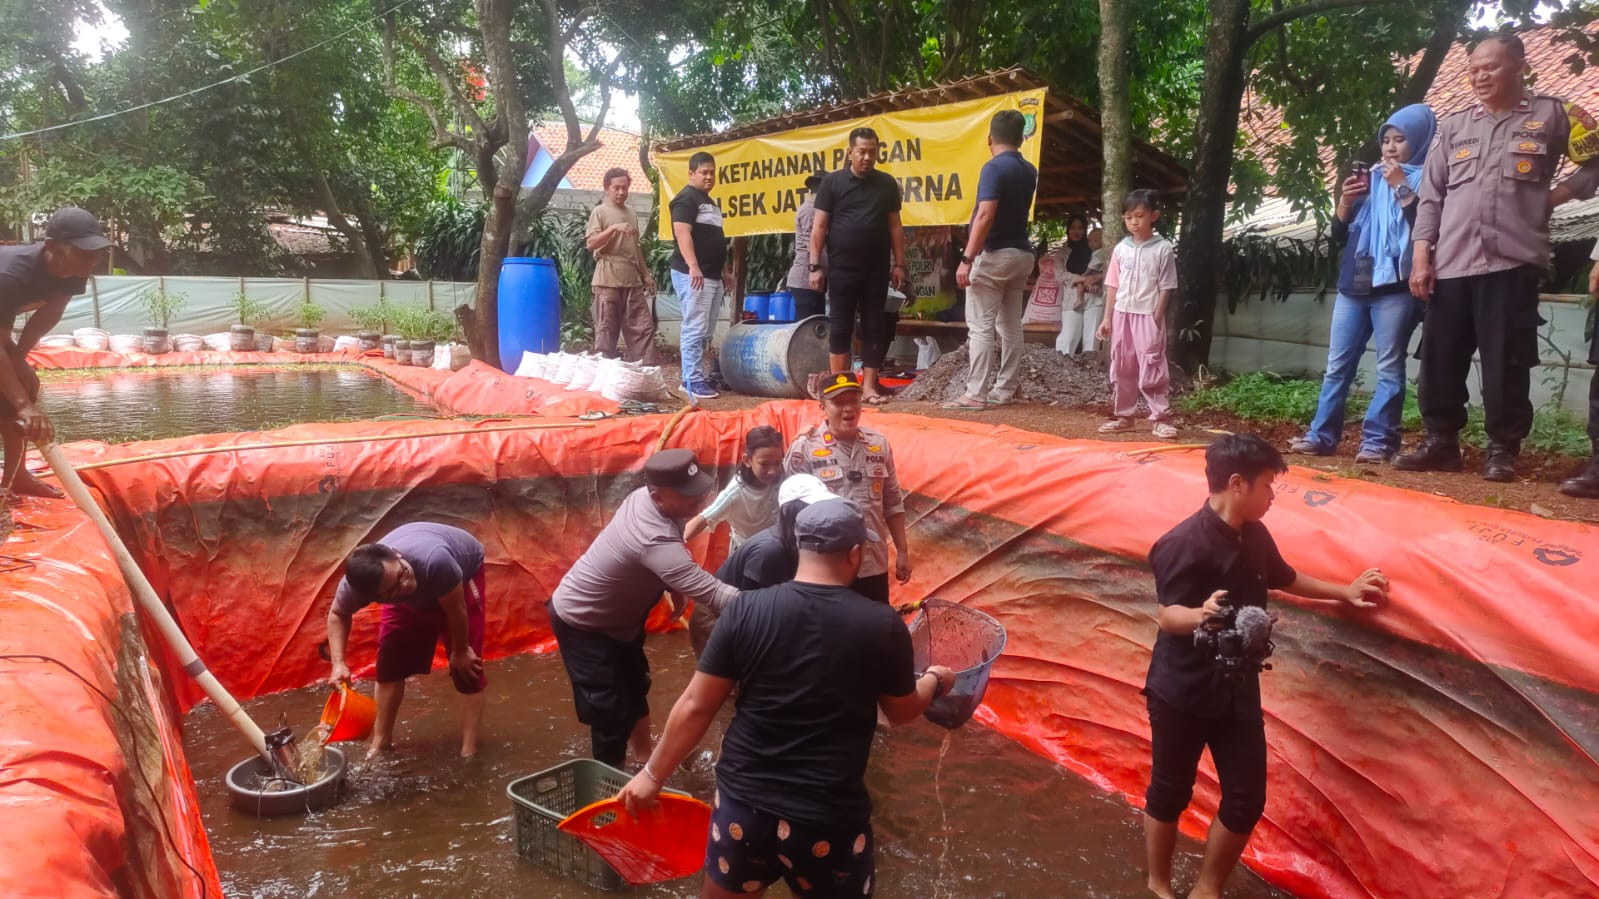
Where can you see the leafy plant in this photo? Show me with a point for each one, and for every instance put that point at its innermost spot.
(309, 316)
(375, 317)
(408, 322)
(450, 240)
(160, 305)
(249, 311)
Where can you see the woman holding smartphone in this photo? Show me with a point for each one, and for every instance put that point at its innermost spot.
(1376, 209)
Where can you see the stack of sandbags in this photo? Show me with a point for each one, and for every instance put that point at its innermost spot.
(92, 339)
(127, 343)
(191, 343)
(560, 368)
(220, 342)
(340, 344)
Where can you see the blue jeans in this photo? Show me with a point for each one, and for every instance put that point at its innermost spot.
(700, 308)
(1391, 318)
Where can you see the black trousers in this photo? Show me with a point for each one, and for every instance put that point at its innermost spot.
(1496, 316)
(1238, 749)
(857, 285)
(807, 303)
(1593, 389)
(610, 686)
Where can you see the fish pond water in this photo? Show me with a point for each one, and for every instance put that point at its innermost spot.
(1002, 821)
(123, 406)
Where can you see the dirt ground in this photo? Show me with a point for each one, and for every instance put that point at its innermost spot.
(1082, 404)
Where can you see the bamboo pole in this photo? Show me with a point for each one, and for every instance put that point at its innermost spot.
(156, 611)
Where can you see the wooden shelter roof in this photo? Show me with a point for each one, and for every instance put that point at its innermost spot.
(1070, 166)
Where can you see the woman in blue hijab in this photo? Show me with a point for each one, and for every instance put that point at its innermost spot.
(1375, 214)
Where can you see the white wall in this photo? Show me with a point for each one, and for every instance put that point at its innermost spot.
(1291, 338)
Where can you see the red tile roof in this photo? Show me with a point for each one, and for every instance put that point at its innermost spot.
(619, 149)
(1263, 127)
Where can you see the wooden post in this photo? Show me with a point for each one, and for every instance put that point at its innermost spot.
(735, 308)
(94, 292)
(430, 294)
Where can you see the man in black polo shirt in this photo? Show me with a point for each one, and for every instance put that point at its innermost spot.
(699, 273)
(38, 278)
(996, 264)
(857, 229)
(1218, 557)
(813, 661)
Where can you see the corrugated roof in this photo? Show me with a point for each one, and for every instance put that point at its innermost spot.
(619, 149)
(1070, 156)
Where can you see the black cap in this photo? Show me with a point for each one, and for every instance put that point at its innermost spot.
(677, 469)
(832, 526)
(844, 380)
(78, 227)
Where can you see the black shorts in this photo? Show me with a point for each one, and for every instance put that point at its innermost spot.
(610, 677)
(749, 849)
(1237, 748)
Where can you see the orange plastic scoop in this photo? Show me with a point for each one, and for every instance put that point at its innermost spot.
(664, 843)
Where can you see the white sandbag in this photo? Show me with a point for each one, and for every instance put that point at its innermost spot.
(59, 341)
(927, 353)
(532, 365)
(609, 371)
(127, 343)
(92, 339)
(220, 342)
(280, 345)
(188, 343)
(561, 372)
(584, 371)
(451, 356)
(342, 343)
(643, 383)
(324, 344)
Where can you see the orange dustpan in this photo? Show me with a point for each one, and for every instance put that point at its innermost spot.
(664, 843)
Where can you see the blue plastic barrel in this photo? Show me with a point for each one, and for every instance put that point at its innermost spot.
(783, 304)
(530, 309)
(774, 360)
(757, 304)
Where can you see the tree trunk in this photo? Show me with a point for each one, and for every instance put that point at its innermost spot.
(352, 233)
(1200, 245)
(1115, 116)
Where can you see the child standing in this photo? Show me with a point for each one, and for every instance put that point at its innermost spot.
(1139, 283)
(749, 502)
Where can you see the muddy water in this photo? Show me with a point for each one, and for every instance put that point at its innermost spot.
(421, 823)
(123, 407)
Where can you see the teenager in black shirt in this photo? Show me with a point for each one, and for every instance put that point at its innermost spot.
(1220, 556)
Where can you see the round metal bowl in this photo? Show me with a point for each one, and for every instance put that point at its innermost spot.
(243, 778)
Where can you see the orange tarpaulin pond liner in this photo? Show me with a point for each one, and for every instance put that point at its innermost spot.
(1445, 745)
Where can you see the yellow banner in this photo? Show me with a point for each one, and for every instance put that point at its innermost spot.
(935, 153)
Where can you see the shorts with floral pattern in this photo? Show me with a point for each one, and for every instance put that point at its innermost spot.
(749, 850)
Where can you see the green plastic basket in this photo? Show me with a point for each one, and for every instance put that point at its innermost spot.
(541, 801)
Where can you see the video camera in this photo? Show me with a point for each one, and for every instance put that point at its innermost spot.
(1238, 641)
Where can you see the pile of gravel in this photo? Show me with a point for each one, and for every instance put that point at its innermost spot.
(1047, 377)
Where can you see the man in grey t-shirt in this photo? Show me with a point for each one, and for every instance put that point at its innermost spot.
(599, 609)
(429, 579)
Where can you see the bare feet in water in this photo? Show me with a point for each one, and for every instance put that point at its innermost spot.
(1161, 890)
(378, 749)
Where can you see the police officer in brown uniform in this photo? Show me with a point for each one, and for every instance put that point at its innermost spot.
(857, 463)
(1481, 246)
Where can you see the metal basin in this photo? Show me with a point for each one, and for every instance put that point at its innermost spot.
(243, 778)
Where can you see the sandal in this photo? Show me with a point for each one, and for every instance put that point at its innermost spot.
(1116, 425)
(966, 404)
(1164, 430)
(879, 399)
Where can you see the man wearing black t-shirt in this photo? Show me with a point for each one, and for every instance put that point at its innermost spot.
(813, 662)
(39, 278)
(699, 273)
(1219, 557)
(857, 229)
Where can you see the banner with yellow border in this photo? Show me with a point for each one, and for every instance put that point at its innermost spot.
(935, 153)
